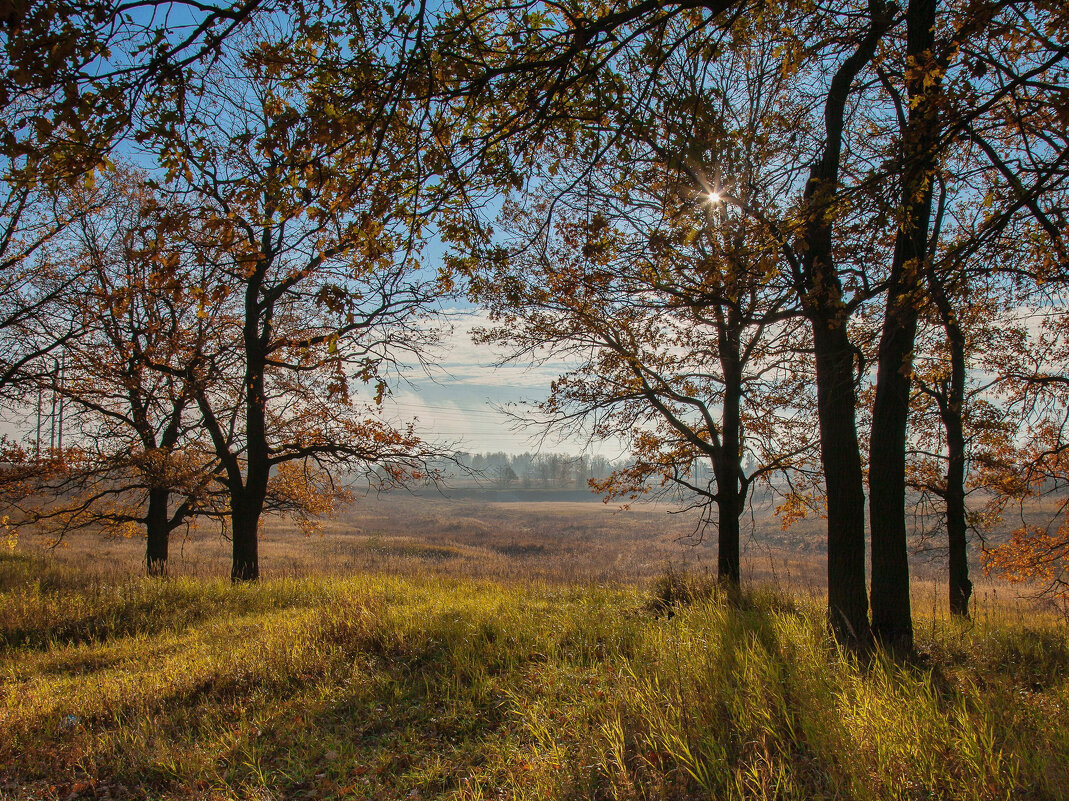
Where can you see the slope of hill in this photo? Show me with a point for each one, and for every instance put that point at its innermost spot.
(430, 686)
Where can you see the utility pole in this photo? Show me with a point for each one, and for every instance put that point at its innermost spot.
(37, 442)
(52, 414)
(62, 370)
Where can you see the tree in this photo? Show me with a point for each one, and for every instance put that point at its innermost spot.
(981, 272)
(922, 71)
(675, 311)
(72, 76)
(505, 476)
(314, 231)
(962, 441)
(891, 89)
(124, 383)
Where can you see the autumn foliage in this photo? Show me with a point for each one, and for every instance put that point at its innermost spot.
(817, 253)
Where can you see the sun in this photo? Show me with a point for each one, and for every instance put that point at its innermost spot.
(713, 197)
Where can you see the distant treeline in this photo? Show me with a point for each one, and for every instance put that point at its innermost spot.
(527, 470)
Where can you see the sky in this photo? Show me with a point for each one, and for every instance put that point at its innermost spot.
(464, 401)
(467, 399)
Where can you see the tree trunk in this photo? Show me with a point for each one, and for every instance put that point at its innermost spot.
(844, 483)
(245, 525)
(824, 304)
(247, 504)
(727, 469)
(960, 585)
(247, 500)
(728, 566)
(157, 529)
(892, 620)
(952, 411)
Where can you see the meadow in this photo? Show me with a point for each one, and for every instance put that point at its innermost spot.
(459, 649)
(569, 537)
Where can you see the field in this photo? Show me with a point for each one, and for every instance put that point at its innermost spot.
(462, 649)
(555, 536)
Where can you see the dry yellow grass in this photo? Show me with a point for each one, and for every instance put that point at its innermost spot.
(379, 687)
(522, 541)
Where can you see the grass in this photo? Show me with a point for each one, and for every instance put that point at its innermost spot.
(432, 686)
(549, 541)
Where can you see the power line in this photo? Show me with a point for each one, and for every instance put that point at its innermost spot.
(450, 408)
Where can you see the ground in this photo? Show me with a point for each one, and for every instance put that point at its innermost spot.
(465, 649)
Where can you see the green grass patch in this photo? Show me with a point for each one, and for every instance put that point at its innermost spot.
(376, 687)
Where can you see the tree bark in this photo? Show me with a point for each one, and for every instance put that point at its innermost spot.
(247, 498)
(729, 507)
(844, 483)
(244, 524)
(158, 530)
(729, 492)
(728, 565)
(892, 620)
(957, 532)
(951, 410)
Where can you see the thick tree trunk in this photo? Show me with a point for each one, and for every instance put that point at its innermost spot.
(844, 483)
(247, 504)
(729, 507)
(157, 529)
(892, 620)
(245, 525)
(247, 499)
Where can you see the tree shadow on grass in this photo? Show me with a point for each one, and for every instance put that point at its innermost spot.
(382, 715)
